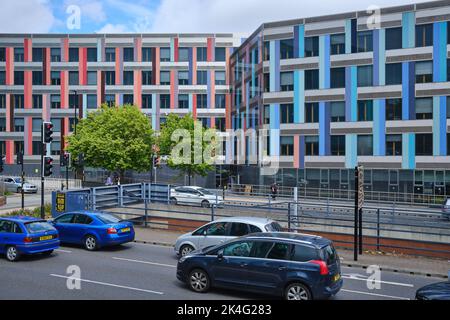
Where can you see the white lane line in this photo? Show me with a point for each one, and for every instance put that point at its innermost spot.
(379, 281)
(146, 262)
(61, 250)
(375, 294)
(107, 284)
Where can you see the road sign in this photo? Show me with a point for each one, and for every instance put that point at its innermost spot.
(60, 202)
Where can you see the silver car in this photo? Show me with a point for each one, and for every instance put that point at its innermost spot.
(195, 196)
(222, 230)
(14, 184)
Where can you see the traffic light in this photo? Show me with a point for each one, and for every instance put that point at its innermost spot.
(20, 158)
(48, 132)
(48, 165)
(1, 163)
(80, 159)
(65, 159)
(156, 162)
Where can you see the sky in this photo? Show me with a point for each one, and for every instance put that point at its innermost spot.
(180, 16)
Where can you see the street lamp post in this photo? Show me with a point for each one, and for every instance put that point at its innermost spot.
(75, 120)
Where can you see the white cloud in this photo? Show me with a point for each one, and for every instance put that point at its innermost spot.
(26, 16)
(92, 10)
(114, 28)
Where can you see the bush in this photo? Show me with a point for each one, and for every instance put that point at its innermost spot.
(36, 212)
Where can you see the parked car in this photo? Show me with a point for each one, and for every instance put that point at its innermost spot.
(195, 196)
(93, 229)
(14, 184)
(446, 208)
(289, 265)
(26, 236)
(222, 230)
(436, 291)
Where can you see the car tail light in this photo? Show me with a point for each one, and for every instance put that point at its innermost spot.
(111, 231)
(323, 266)
(27, 240)
(56, 236)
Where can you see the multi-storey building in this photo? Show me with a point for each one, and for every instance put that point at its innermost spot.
(60, 78)
(341, 90)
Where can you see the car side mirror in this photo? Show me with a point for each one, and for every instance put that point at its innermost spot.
(220, 255)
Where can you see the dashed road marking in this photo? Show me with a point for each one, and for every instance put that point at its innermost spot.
(374, 294)
(146, 262)
(353, 277)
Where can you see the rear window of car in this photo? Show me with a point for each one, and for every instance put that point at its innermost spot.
(107, 218)
(273, 227)
(304, 253)
(328, 254)
(39, 226)
(447, 203)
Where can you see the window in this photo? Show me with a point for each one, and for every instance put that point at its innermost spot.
(146, 101)
(73, 54)
(337, 111)
(266, 51)
(365, 145)
(220, 101)
(365, 110)
(74, 100)
(424, 35)
(2, 124)
(365, 76)
(266, 81)
(365, 41)
(287, 81)
(2, 101)
(393, 38)
(147, 78)
(55, 148)
(287, 113)
(220, 78)
(448, 107)
(147, 54)
(55, 54)
(19, 55)
(217, 229)
(91, 101)
(393, 73)
(164, 101)
(18, 147)
(38, 54)
(110, 54)
(424, 108)
(393, 109)
(56, 124)
(37, 147)
(337, 78)
(220, 54)
(73, 78)
(110, 100)
(448, 68)
(202, 101)
(92, 78)
(311, 46)
(183, 54)
(183, 78)
(92, 54)
(202, 54)
(304, 253)
(37, 101)
(312, 112)
(164, 54)
(55, 101)
(2, 54)
(311, 79)
(220, 125)
(18, 78)
(337, 43)
(280, 251)
(337, 145)
(128, 99)
(202, 77)
(424, 71)
(424, 144)
(287, 146)
(287, 49)
(128, 78)
(238, 229)
(18, 101)
(393, 144)
(266, 114)
(165, 77)
(183, 101)
(2, 78)
(38, 78)
(82, 219)
(239, 249)
(55, 77)
(312, 145)
(128, 54)
(110, 78)
(19, 124)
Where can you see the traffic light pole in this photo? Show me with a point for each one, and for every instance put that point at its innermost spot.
(43, 150)
(21, 189)
(355, 231)
(67, 176)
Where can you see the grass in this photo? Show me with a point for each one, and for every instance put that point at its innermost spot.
(36, 212)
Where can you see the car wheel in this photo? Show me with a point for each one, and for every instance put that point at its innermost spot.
(205, 204)
(297, 291)
(19, 190)
(173, 201)
(186, 249)
(90, 243)
(12, 254)
(199, 281)
(47, 253)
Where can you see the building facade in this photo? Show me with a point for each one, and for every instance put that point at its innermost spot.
(350, 89)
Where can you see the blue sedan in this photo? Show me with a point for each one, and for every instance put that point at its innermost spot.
(93, 229)
(25, 236)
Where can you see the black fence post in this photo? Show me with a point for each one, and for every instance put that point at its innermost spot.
(355, 235)
(289, 216)
(360, 231)
(145, 212)
(378, 229)
(212, 212)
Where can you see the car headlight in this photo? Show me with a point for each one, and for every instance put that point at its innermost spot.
(182, 259)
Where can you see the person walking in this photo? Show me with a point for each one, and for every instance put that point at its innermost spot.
(274, 190)
(109, 181)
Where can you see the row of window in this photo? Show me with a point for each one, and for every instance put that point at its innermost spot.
(110, 54)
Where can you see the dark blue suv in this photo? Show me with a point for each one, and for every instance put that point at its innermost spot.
(289, 265)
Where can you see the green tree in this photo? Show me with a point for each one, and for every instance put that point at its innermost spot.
(190, 147)
(114, 138)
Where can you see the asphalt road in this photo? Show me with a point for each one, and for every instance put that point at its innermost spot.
(141, 271)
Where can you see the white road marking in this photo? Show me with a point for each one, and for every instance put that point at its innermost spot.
(353, 277)
(107, 284)
(374, 294)
(146, 262)
(64, 251)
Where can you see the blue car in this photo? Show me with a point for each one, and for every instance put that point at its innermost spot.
(26, 236)
(93, 229)
(289, 265)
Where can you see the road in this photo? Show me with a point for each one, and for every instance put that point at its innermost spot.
(141, 271)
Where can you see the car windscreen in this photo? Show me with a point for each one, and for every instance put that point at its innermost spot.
(329, 254)
(273, 227)
(107, 218)
(39, 226)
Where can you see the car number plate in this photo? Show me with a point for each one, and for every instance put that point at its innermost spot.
(336, 277)
(45, 238)
(126, 230)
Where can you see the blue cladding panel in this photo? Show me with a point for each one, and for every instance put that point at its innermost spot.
(348, 36)
(351, 155)
(439, 126)
(409, 151)
(440, 52)
(324, 62)
(324, 128)
(408, 30)
(351, 93)
(274, 129)
(299, 41)
(379, 57)
(379, 128)
(299, 96)
(274, 66)
(408, 91)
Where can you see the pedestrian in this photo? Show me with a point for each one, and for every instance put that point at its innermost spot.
(274, 190)
(109, 181)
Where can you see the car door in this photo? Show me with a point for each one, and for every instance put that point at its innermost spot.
(9, 185)
(10, 234)
(79, 227)
(214, 234)
(182, 195)
(62, 224)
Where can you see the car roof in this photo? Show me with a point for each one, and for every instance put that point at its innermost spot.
(87, 212)
(20, 219)
(254, 220)
(301, 238)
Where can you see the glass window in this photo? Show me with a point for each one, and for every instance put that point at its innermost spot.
(19, 55)
(365, 110)
(165, 77)
(146, 101)
(55, 148)
(73, 78)
(287, 49)
(36, 124)
(238, 229)
(2, 124)
(287, 81)
(287, 146)
(55, 101)
(202, 54)
(110, 78)
(128, 99)
(2, 54)
(448, 107)
(287, 113)
(18, 78)
(92, 54)
(393, 73)
(220, 101)
(110, 54)
(38, 78)
(266, 54)
(2, 101)
(304, 253)
(220, 54)
(18, 147)
(365, 145)
(147, 78)
(365, 76)
(393, 144)
(337, 111)
(337, 78)
(217, 229)
(424, 35)
(3, 78)
(19, 124)
(311, 79)
(338, 145)
(424, 144)
(424, 108)
(183, 101)
(128, 78)
(220, 78)
(238, 249)
(91, 101)
(164, 101)
(312, 112)
(55, 78)
(183, 54)
(337, 43)
(37, 101)
(202, 101)
(74, 54)
(280, 251)
(147, 54)
(424, 71)
(56, 124)
(128, 54)
(183, 78)
(164, 54)
(393, 38)
(312, 145)
(92, 78)
(311, 46)
(55, 54)
(393, 109)
(36, 146)
(18, 101)
(448, 68)
(365, 41)
(202, 77)
(110, 100)
(38, 54)
(220, 125)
